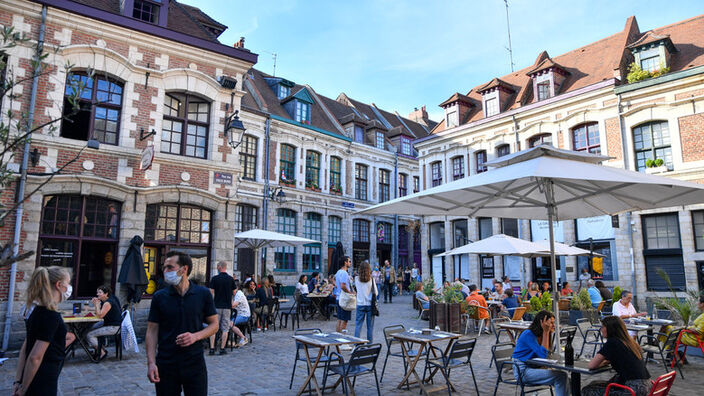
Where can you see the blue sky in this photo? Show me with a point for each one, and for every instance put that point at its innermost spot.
(405, 54)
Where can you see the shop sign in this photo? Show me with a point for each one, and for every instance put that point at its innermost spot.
(147, 158)
(347, 204)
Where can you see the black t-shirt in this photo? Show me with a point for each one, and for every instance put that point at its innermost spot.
(176, 314)
(113, 317)
(223, 285)
(627, 365)
(47, 325)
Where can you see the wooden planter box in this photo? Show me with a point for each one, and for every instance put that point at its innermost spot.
(446, 316)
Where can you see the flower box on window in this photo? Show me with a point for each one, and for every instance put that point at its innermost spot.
(288, 183)
(656, 169)
(336, 189)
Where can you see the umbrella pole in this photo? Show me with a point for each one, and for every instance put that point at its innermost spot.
(553, 266)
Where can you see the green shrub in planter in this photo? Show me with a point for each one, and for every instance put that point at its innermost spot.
(649, 163)
(584, 299)
(546, 301)
(429, 286)
(535, 304)
(617, 294)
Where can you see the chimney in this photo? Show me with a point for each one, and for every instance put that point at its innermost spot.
(419, 116)
(239, 44)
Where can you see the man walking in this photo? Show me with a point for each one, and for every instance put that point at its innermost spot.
(342, 283)
(389, 281)
(222, 287)
(175, 325)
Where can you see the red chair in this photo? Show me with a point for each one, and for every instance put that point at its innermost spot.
(661, 386)
(679, 343)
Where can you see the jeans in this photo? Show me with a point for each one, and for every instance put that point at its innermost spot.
(240, 320)
(362, 311)
(536, 376)
(388, 290)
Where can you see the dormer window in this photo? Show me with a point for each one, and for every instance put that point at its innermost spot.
(452, 119)
(380, 142)
(543, 88)
(652, 53)
(650, 59)
(283, 91)
(406, 148)
(302, 114)
(298, 105)
(147, 11)
(491, 106)
(547, 77)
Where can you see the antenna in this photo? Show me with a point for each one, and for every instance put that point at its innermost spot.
(508, 28)
(273, 56)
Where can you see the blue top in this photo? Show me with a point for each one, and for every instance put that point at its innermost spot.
(528, 347)
(510, 302)
(341, 277)
(594, 295)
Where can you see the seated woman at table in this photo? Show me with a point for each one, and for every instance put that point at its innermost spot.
(697, 330)
(424, 300)
(264, 296)
(107, 308)
(241, 306)
(535, 343)
(510, 303)
(524, 292)
(625, 356)
(566, 291)
(313, 281)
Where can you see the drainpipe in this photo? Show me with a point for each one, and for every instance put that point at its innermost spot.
(629, 215)
(23, 181)
(519, 221)
(265, 194)
(394, 246)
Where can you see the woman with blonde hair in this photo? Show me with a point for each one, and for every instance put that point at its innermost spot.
(42, 354)
(366, 288)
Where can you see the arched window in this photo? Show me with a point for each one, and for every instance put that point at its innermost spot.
(81, 233)
(312, 229)
(99, 104)
(248, 157)
(652, 141)
(288, 164)
(502, 150)
(480, 158)
(184, 130)
(285, 257)
(186, 228)
(543, 138)
(585, 137)
(313, 170)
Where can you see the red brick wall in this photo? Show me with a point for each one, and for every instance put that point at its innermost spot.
(105, 165)
(613, 138)
(171, 175)
(689, 94)
(691, 128)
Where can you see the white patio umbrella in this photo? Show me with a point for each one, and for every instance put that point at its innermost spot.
(257, 239)
(547, 183)
(498, 245)
(562, 249)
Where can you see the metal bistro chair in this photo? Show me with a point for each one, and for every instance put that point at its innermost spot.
(502, 355)
(291, 311)
(390, 341)
(661, 386)
(300, 357)
(654, 346)
(361, 355)
(455, 357)
(498, 331)
(422, 310)
(475, 316)
(567, 334)
(590, 335)
(117, 338)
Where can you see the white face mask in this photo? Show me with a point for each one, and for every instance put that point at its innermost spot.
(172, 278)
(67, 294)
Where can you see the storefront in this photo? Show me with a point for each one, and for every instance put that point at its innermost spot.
(597, 235)
(384, 246)
(360, 241)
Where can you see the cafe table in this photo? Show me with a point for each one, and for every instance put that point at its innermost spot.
(424, 338)
(322, 341)
(514, 328)
(576, 370)
(317, 301)
(79, 325)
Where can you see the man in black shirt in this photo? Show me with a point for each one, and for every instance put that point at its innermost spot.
(175, 324)
(222, 286)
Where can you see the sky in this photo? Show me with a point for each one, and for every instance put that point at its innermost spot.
(404, 54)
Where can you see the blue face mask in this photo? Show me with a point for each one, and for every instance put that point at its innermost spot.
(172, 278)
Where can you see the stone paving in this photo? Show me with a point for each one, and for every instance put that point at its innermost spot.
(264, 367)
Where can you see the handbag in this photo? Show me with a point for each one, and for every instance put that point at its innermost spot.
(348, 301)
(375, 307)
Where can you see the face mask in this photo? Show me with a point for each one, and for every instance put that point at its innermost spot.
(172, 278)
(67, 294)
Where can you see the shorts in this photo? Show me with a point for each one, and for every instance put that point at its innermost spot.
(241, 320)
(343, 314)
(224, 318)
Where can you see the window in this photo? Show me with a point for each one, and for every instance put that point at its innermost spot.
(179, 227)
(245, 220)
(146, 11)
(288, 164)
(585, 137)
(358, 134)
(81, 233)
(650, 59)
(384, 232)
(283, 91)
(485, 227)
(457, 168)
(543, 89)
(663, 251)
(491, 106)
(509, 227)
(360, 182)
(302, 113)
(360, 230)
(285, 257)
(312, 224)
(334, 230)
(460, 233)
(537, 140)
(436, 172)
(313, 170)
(502, 150)
(248, 157)
(402, 184)
(188, 113)
(652, 141)
(437, 235)
(416, 184)
(335, 175)
(384, 185)
(698, 225)
(480, 157)
(99, 104)
(380, 140)
(406, 148)
(452, 119)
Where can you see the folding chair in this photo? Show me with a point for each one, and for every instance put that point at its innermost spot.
(361, 355)
(460, 354)
(301, 357)
(421, 310)
(292, 312)
(502, 356)
(668, 346)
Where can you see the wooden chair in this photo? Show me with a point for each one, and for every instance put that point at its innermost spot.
(661, 386)
(601, 306)
(518, 313)
(475, 316)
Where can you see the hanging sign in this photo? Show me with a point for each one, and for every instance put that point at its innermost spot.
(147, 158)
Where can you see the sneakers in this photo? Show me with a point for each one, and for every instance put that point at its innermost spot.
(266, 328)
(223, 352)
(242, 342)
(259, 329)
(211, 352)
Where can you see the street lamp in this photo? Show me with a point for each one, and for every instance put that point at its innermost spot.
(234, 130)
(277, 195)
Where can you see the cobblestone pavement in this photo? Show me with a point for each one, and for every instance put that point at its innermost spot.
(264, 367)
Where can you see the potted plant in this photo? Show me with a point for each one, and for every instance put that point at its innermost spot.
(617, 294)
(581, 307)
(682, 309)
(656, 165)
(446, 309)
